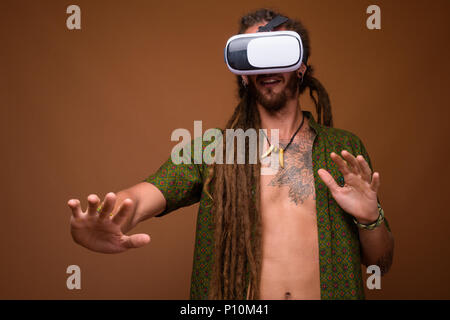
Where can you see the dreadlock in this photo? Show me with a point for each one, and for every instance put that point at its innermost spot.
(236, 187)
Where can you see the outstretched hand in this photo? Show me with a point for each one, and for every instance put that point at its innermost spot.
(358, 196)
(98, 230)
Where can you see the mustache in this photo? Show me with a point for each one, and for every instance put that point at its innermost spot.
(268, 75)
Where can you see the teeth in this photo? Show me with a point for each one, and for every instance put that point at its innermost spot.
(270, 81)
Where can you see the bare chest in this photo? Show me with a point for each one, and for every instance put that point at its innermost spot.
(289, 227)
(290, 188)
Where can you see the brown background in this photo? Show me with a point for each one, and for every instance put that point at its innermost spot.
(91, 111)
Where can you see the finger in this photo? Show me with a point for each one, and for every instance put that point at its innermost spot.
(74, 205)
(375, 184)
(93, 203)
(328, 180)
(351, 160)
(124, 211)
(135, 240)
(364, 167)
(342, 165)
(108, 205)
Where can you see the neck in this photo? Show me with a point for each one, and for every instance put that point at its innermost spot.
(285, 120)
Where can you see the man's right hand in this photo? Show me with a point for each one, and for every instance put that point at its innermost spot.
(100, 232)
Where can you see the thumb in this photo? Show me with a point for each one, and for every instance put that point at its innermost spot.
(135, 240)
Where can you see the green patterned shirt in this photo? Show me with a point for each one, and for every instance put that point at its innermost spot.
(339, 246)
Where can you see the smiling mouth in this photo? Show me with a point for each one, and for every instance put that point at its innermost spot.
(269, 81)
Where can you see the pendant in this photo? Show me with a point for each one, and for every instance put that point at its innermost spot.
(281, 157)
(280, 154)
(269, 151)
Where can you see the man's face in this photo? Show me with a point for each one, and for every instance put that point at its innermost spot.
(272, 91)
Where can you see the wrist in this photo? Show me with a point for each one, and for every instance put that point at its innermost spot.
(371, 224)
(369, 218)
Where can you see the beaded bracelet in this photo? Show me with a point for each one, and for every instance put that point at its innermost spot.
(373, 225)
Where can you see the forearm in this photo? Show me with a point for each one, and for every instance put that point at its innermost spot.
(377, 247)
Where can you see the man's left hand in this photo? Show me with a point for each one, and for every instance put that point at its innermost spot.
(358, 196)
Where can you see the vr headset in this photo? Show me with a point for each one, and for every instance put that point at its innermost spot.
(265, 51)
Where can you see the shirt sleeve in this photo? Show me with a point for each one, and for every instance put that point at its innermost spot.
(365, 154)
(180, 184)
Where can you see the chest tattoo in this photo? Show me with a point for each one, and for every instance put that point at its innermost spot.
(297, 173)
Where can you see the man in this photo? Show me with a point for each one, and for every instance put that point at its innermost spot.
(301, 232)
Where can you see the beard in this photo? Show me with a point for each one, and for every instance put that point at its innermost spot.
(270, 100)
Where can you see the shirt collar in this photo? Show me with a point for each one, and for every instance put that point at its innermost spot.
(312, 123)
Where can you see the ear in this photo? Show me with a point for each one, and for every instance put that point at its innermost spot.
(301, 71)
(244, 78)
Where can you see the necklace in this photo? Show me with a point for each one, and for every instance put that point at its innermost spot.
(280, 150)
